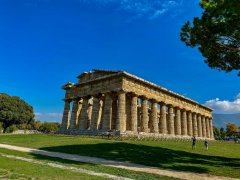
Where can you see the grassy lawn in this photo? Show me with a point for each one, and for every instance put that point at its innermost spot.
(15, 169)
(93, 167)
(221, 159)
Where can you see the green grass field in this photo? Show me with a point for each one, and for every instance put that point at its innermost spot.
(222, 159)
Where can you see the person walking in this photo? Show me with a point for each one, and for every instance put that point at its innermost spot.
(194, 142)
(206, 144)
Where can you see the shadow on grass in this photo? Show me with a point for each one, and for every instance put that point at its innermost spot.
(147, 155)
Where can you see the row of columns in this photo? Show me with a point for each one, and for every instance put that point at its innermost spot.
(125, 112)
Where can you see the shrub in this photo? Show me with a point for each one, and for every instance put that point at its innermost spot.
(48, 127)
(11, 128)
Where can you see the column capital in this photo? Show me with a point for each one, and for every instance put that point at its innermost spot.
(163, 103)
(99, 95)
(194, 113)
(183, 110)
(133, 94)
(144, 97)
(170, 105)
(68, 100)
(153, 101)
(77, 98)
(121, 92)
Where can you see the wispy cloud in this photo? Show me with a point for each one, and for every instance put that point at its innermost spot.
(225, 106)
(52, 116)
(151, 9)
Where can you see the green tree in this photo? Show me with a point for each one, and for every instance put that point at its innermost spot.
(216, 132)
(222, 133)
(11, 128)
(231, 129)
(216, 34)
(36, 125)
(1, 127)
(49, 127)
(14, 110)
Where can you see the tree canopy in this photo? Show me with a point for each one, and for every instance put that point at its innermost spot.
(216, 34)
(231, 129)
(14, 110)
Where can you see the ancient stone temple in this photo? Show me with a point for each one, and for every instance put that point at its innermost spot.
(105, 100)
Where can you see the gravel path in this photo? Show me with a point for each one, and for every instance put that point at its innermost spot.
(123, 165)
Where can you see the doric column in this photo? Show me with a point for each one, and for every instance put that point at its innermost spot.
(211, 128)
(66, 115)
(79, 111)
(153, 117)
(84, 114)
(163, 119)
(114, 111)
(184, 123)
(74, 116)
(95, 112)
(89, 112)
(128, 111)
(195, 129)
(171, 120)
(203, 127)
(189, 122)
(107, 112)
(144, 114)
(177, 123)
(121, 113)
(134, 113)
(199, 124)
(207, 127)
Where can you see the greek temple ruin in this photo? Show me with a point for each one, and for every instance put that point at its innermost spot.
(104, 100)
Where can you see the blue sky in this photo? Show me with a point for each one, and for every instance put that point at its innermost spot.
(46, 43)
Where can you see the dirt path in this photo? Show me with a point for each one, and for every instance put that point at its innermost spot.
(123, 165)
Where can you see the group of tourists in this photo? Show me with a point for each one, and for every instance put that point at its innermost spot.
(194, 140)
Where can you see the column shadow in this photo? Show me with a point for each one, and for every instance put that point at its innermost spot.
(147, 155)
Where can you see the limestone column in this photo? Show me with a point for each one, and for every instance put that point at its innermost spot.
(163, 119)
(107, 112)
(184, 123)
(114, 111)
(89, 112)
(66, 115)
(134, 113)
(177, 122)
(121, 113)
(211, 129)
(80, 102)
(195, 129)
(95, 112)
(84, 115)
(171, 120)
(203, 126)
(145, 115)
(99, 119)
(153, 117)
(73, 120)
(139, 116)
(207, 127)
(189, 122)
(199, 124)
(128, 111)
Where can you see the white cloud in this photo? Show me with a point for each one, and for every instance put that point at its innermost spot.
(142, 8)
(225, 106)
(38, 114)
(52, 116)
